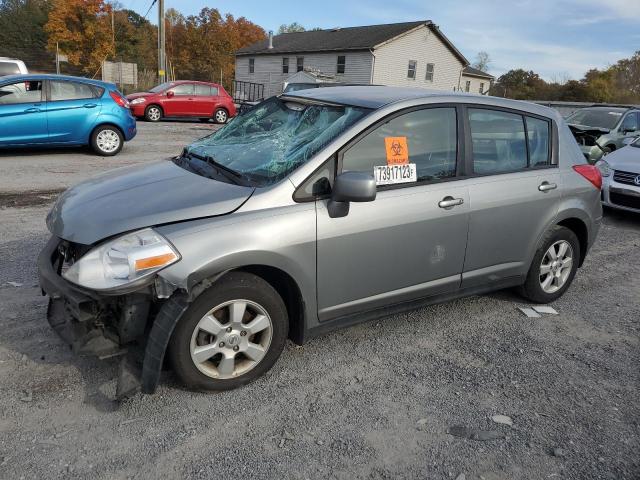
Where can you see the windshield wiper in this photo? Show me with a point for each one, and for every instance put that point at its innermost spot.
(229, 173)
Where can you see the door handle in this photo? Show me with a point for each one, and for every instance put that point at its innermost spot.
(90, 105)
(450, 202)
(32, 110)
(546, 186)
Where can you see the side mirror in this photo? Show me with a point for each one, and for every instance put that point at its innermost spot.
(170, 94)
(351, 187)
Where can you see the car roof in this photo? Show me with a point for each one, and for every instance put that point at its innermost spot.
(608, 108)
(378, 96)
(45, 76)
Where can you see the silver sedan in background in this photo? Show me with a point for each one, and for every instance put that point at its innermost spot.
(621, 178)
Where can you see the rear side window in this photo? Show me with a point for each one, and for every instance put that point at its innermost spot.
(206, 90)
(73, 91)
(21, 92)
(630, 122)
(498, 141)
(9, 68)
(429, 136)
(538, 138)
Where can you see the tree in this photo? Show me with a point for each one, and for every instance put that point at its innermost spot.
(482, 61)
(82, 29)
(291, 28)
(22, 32)
(520, 85)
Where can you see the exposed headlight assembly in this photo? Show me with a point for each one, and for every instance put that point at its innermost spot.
(130, 259)
(604, 167)
(136, 101)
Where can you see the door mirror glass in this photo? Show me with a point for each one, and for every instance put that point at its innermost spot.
(170, 94)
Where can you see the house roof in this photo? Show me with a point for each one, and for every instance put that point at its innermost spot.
(474, 72)
(343, 39)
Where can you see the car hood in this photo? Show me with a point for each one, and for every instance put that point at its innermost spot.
(626, 159)
(139, 95)
(136, 197)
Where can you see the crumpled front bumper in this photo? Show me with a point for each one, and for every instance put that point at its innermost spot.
(86, 320)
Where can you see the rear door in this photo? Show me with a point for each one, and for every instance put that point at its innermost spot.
(72, 110)
(406, 244)
(23, 116)
(514, 194)
(182, 102)
(206, 98)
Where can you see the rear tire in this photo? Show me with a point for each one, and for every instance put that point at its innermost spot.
(153, 113)
(220, 116)
(550, 277)
(106, 140)
(216, 347)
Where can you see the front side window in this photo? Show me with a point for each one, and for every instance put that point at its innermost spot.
(429, 136)
(299, 64)
(252, 64)
(71, 91)
(429, 75)
(184, 89)
(467, 86)
(498, 141)
(342, 61)
(270, 141)
(411, 71)
(21, 92)
(630, 123)
(285, 65)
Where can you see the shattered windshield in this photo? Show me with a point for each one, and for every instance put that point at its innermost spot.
(267, 143)
(599, 118)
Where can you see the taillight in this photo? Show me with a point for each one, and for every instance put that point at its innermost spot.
(591, 173)
(119, 99)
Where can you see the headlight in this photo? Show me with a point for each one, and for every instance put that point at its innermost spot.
(136, 101)
(127, 259)
(604, 167)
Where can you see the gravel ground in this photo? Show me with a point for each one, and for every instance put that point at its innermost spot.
(372, 401)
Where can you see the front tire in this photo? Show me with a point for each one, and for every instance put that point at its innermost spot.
(106, 140)
(554, 266)
(220, 116)
(153, 113)
(230, 335)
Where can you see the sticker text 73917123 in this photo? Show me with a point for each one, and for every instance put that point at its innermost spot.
(390, 174)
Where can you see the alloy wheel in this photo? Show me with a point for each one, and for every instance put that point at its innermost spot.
(154, 114)
(221, 116)
(231, 339)
(556, 266)
(108, 141)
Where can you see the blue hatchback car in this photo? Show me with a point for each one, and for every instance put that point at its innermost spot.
(59, 110)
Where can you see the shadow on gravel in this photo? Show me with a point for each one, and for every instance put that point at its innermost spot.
(45, 150)
(621, 219)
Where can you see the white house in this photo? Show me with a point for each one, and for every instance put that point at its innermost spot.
(412, 54)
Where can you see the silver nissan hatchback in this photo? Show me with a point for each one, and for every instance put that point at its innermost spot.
(315, 210)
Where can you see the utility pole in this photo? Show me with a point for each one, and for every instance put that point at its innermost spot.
(162, 61)
(57, 60)
(113, 32)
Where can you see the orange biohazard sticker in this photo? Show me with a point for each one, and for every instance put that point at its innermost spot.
(397, 150)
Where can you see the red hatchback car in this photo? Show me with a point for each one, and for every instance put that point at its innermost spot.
(184, 99)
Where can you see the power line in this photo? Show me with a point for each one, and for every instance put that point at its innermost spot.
(153, 2)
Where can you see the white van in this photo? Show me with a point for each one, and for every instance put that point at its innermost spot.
(11, 66)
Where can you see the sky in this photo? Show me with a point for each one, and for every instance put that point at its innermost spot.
(558, 39)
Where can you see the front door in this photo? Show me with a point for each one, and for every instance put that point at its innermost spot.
(406, 244)
(514, 195)
(181, 102)
(72, 110)
(23, 115)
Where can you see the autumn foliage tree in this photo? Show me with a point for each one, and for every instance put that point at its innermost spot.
(82, 30)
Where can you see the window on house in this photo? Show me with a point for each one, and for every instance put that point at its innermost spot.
(342, 61)
(429, 76)
(252, 64)
(467, 86)
(411, 72)
(285, 65)
(299, 64)
(481, 89)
